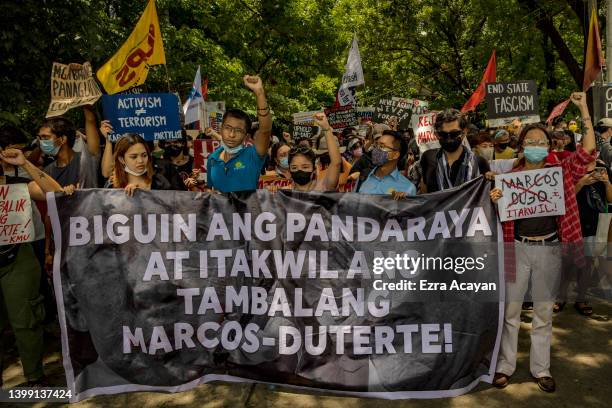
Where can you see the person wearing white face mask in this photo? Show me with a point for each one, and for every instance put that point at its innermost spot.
(280, 159)
(235, 166)
(533, 254)
(483, 146)
(133, 167)
(354, 150)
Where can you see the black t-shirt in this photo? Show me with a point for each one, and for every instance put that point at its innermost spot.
(364, 166)
(429, 167)
(589, 216)
(535, 227)
(175, 175)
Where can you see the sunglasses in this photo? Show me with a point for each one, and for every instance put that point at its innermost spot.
(449, 135)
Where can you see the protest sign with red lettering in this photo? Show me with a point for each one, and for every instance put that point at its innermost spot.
(281, 183)
(530, 194)
(201, 150)
(425, 133)
(71, 86)
(15, 214)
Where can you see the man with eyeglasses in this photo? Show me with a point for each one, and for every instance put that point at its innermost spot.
(453, 164)
(386, 178)
(235, 166)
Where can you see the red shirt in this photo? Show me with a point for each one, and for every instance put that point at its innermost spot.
(568, 225)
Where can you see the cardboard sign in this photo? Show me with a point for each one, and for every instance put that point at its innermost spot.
(507, 101)
(15, 214)
(532, 193)
(341, 117)
(304, 118)
(425, 132)
(71, 88)
(153, 116)
(299, 132)
(401, 110)
(605, 101)
(281, 183)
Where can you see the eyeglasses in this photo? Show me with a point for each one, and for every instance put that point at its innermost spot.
(232, 130)
(385, 148)
(449, 135)
(535, 143)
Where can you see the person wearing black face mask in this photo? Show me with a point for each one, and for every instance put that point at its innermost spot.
(453, 164)
(302, 162)
(501, 143)
(177, 165)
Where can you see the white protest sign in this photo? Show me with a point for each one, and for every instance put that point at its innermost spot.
(15, 214)
(305, 118)
(71, 86)
(425, 133)
(531, 193)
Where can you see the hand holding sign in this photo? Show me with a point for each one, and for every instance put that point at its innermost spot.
(321, 121)
(14, 157)
(253, 83)
(106, 128)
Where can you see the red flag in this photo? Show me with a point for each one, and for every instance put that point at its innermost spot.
(490, 75)
(557, 110)
(205, 88)
(594, 61)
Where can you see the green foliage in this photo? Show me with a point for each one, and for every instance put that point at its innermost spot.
(432, 49)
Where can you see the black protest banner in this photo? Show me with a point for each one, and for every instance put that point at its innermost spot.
(507, 101)
(605, 101)
(341, 117)
(346, 292)
(402, 111)
(303, 131)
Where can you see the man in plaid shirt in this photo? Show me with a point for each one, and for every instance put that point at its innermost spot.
(532, 250)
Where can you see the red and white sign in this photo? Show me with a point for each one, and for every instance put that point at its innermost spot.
(15, 214)
(532, 193)
(425, 133)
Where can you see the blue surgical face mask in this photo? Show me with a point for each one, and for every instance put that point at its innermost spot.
(284, 162)
(48, 147)
(535, 154)
(232, 150)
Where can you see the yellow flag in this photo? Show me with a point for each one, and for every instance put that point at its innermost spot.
(130, 65)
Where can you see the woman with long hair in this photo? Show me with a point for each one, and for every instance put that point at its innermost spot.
(133, 166)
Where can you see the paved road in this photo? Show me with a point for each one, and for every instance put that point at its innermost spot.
(581, 364)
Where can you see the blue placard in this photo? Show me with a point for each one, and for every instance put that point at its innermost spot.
(153, 116)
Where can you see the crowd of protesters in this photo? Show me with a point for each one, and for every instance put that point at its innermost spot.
(382, 161)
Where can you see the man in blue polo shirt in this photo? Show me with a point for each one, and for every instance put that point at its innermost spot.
(386, 178)
(235, 166)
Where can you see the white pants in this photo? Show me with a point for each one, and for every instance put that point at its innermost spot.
(540, 264)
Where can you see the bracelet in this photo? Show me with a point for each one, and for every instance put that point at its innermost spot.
(326, 130)
(262, 115)
(267, 108)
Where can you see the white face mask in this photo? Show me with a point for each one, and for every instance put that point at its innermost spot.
(133, 173)
(486, 153)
